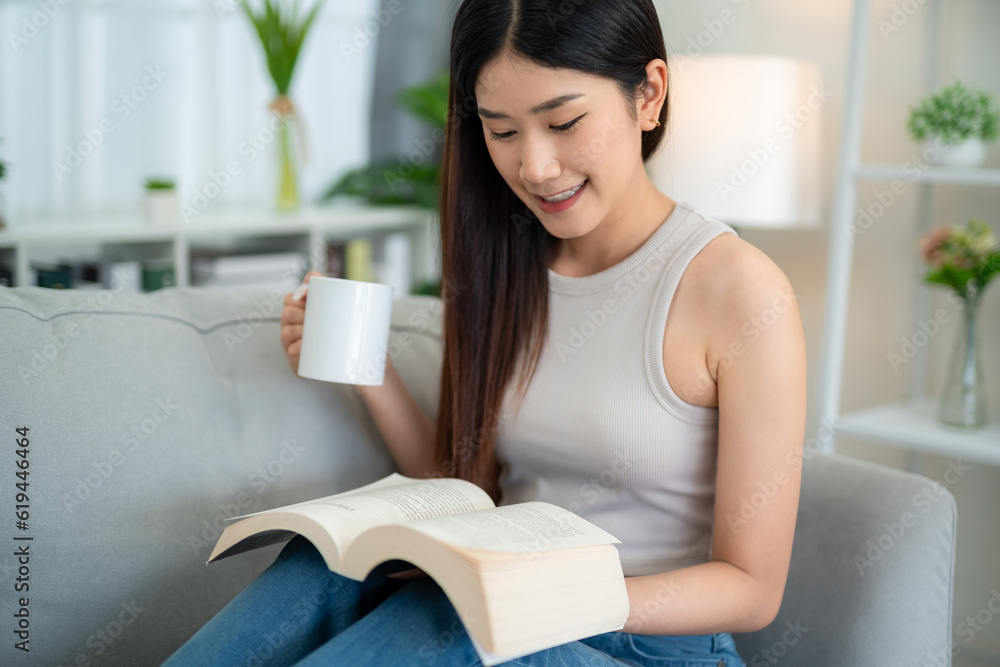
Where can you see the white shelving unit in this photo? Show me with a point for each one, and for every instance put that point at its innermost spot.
(914, 422)
(910, 424)
(309, 230)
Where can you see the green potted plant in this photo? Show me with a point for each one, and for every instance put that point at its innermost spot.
(162, 206)
(965, 259)
(282, 29)
(962, 117)
(400, 182)
(403, 181)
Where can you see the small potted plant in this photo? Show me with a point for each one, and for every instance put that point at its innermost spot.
(963, 118)
(964, 259)
(162, 206)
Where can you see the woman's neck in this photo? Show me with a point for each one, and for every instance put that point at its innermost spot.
(615, 238)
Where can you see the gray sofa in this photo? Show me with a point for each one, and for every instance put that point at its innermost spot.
(152, 417)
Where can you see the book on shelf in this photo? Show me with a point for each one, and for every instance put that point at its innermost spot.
(117, 273)
(335, 259)
(158, 274)
(88, 275)
(522, 577)
(53, 276)
(392, 263)
(358, 262)
(275, 270)
(220, 265)
(121, 274)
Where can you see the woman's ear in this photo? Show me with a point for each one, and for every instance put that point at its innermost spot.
(655, 96)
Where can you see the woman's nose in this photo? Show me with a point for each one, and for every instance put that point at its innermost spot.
(539, 164)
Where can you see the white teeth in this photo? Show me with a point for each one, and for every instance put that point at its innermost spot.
(564, 196)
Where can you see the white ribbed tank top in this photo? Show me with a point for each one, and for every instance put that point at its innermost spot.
(600, 431)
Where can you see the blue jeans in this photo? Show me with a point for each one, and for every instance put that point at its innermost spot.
(298, 612)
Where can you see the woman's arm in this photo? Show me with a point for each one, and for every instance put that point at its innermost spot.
(757, 352)
(406, 430)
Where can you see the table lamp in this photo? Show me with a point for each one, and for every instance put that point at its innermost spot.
(743, 139)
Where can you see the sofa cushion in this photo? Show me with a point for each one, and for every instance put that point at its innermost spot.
(151, 418)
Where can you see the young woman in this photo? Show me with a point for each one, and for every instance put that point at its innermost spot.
(607, 349)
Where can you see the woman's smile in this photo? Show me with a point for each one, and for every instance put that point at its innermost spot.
(563, 200)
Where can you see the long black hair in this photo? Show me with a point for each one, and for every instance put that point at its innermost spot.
(495, 252)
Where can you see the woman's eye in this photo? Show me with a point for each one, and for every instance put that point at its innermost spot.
(568, 126)
(558, 128)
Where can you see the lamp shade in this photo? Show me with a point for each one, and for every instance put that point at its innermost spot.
(743, 139)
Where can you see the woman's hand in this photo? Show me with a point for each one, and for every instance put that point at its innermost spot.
(407, 431)
(292, 317)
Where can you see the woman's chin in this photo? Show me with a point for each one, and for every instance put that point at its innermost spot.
(565, 227)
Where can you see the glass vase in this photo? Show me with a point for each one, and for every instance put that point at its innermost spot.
(288, 174)
(963, 402)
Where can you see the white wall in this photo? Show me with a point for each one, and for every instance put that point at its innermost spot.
(886, 262)
(60, 81)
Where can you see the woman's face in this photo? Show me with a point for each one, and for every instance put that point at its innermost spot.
(551, 131)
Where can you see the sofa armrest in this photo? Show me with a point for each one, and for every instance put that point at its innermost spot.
(871, 576)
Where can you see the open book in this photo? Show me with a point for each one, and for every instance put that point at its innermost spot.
(522, 577)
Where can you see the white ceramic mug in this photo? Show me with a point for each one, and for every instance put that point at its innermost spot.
(345, 335)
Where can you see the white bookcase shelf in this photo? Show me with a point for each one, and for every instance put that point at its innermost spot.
(913, 424)
(309, 229)
(937, 175)
(910, 424)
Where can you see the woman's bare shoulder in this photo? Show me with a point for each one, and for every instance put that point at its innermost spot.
(740, 291)
(735, 272)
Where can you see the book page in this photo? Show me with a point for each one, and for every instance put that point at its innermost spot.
(525, 527)
(392, 480)
(347, 515)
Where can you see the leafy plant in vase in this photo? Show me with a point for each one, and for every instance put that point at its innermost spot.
(161, 202)
(282, 30)
(963, 118)
(964, 259)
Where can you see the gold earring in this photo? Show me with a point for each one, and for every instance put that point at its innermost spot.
(655, 121)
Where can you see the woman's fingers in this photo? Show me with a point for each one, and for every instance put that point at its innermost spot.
(290, 334)
(292, 352)
(292, 317)
(301, 290)
(293, 313)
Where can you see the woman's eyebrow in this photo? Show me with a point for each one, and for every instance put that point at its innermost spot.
(535, 110)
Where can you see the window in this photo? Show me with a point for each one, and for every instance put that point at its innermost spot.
(97, 95)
